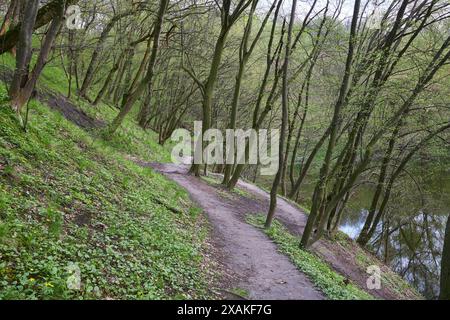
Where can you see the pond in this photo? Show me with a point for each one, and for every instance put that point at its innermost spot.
(416, 224)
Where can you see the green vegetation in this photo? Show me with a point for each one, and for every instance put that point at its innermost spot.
(240, 292)
(67, 197)
(326, 279)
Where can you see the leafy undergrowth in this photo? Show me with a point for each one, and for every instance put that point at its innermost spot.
(327, 280)
(70, 201)
(129, 138)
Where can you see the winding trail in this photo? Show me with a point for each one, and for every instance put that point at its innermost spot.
(249, 258)
(253, 259)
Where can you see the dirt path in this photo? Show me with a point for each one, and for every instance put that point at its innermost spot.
(343, 256)
(248, 253)
(258, 267)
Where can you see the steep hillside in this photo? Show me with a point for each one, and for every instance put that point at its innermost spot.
(69, 199)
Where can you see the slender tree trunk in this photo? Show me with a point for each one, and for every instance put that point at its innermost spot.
(141, 69)
(257, 117)
(245, 52)
(107, 82)
(208, 92)
(232, 125)
(445, 265)
(284, 120)
(120, 76)
(72, 62)
(90, 71)
(319, 192)
(363, 237)
(144, 111)
(117, 79)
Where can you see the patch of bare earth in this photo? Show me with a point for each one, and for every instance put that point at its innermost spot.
(251, 261)
(58, 102)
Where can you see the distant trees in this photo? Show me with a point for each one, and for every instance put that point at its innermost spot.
(320, 191)
(99, 46)
(246, 49)
(147, 81)
(229, 14)
(269, 91)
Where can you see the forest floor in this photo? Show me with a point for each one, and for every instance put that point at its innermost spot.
(257, 263)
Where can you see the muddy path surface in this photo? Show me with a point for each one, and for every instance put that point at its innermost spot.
(257, 266)
(250, 255)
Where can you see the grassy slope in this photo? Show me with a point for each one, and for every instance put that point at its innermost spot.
(70, 197)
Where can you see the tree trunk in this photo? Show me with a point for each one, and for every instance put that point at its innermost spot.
(319, 192)
(44, 16)
(363, 237)
(445, 265)
(97, 51)
(107, 82)
(24, 84)
(245, 51)
(143, 112)
(147, 81)
(24, 53)
(209, 91)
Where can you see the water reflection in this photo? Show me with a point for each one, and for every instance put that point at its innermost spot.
(410, 237)
(352, 227)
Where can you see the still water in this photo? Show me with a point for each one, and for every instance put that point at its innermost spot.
(415, 223)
